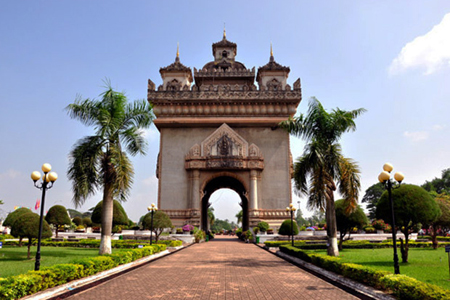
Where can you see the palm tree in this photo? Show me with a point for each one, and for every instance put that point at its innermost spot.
(211, 216)
(240, 216)
(323, 165)
(100, 160)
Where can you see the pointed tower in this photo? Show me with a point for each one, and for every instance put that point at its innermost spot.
(176, 77)
(273, 76)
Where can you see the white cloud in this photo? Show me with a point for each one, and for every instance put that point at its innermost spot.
(416, 136)
(10, 174)
(430, 51)
(438, 127)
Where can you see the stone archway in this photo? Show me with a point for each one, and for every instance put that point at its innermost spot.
(224, 123)
(224, 181)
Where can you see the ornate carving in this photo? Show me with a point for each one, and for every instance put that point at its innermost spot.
(235, 144)
(297, 85)
(173, 85)
(273, 85)
(254, 151)
(150, 85)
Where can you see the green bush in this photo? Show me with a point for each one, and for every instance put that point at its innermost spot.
(285, 228)
(263, 226)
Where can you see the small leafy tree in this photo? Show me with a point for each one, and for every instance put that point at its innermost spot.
(412, 205)
(57, 215)
(263, 226)
(371, 197)
(27, 226)
(443, 222)
(77, 221)
(285, 228)
(347, 221)
(301, 221)
(9, 221)
(87, 222)
(161, 221)
(119, 215)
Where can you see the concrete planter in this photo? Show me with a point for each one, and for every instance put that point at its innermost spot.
(320, 232)
(306, 233)
(380, 231)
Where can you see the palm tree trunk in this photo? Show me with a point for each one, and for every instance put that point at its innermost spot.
(330, 215)
(107, 210)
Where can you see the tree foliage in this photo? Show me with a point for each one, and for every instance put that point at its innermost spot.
(285, 228)
(119, 215)
(439, 185)
(26, 225)
(100, 161)
(57, 215)
(323, 169)
(161, 221)
(220, 225)
(371, 197)
(345, 221)
(443, 221)
(239, 216)
(412, 205)
(11, 217)
(301, 221)
(77, 220)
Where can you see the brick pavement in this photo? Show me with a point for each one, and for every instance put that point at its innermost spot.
(219, 269)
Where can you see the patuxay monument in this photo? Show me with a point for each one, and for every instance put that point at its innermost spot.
(218, 129)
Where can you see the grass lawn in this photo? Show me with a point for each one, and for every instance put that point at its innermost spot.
(426, 265)
(13, 260)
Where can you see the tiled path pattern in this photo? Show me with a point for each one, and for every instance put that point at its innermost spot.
(219, 269)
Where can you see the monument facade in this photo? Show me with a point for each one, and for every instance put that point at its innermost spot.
(218, 129)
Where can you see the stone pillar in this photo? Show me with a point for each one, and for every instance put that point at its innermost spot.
(195, 197)
(253, 189)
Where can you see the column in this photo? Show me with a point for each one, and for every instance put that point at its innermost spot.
(195, 197)
(253, 189)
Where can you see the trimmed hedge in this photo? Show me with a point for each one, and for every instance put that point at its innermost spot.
(352, 244)
(401, 286)
(87, 243)
(15, 287)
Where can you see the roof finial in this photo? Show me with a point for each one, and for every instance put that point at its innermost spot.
(178, 52)
(271, 52)
(224, 32)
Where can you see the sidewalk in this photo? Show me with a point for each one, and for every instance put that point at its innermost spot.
(220, 269)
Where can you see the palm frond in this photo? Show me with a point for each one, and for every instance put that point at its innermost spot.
(84, 167)
(124, 174)
(86, 111)
(349, 183)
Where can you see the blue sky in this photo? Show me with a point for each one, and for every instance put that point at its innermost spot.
(390, 57)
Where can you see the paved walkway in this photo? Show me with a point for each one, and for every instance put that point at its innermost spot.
(220, 269)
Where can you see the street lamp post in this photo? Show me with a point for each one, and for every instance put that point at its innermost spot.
(385, 178)
(152, 210)
(291, 209)
(47, 183)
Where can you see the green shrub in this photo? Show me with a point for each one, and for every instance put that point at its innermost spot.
(402, 286)
(285, 228)
(263, 226)
(405, 287)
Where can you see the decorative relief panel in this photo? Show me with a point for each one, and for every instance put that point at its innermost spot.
(224, 142)
(224, 149)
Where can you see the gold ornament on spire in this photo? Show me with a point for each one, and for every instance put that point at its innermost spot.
(178, 49)
(224, 32)
(271, 51)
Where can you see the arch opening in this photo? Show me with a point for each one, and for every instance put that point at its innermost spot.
(220, 183)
